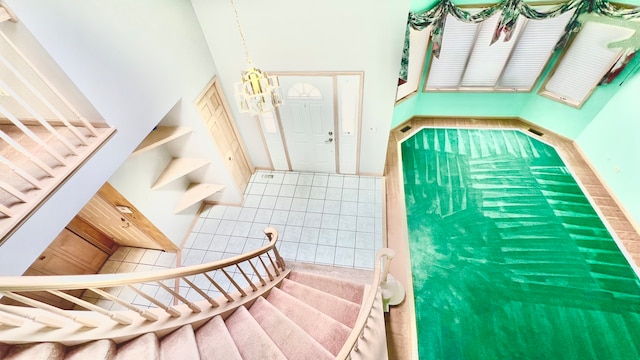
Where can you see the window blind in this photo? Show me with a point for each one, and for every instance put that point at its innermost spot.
(468, 62)
(532, 52)
(487, 61)
(585, 62)
(457, 42)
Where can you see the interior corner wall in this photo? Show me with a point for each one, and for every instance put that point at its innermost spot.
(611, 144)
(560, 118)
(404, 110)
(133, 180)
(133, 65)
(135, 177)
(470, 104)
(564, 119)
(334, 39)
(201, 144)
(606, 127)
(549, 114)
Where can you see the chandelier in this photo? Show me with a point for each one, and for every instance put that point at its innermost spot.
(257, 92)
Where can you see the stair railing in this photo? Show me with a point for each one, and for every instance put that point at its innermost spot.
(384, 257)
(33, 163)
(192, 293)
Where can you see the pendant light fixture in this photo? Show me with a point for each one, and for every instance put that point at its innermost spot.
(257, 92)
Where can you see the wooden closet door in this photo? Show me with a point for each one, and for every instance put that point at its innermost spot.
(68, 254)
(216, 116)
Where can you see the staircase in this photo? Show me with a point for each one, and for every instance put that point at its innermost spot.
(35, 159)
(308, 316)
(46, 130)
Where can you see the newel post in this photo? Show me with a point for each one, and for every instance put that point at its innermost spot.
(391, 290)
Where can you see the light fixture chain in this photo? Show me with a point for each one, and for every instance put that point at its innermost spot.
(257, 92)
(244, 42)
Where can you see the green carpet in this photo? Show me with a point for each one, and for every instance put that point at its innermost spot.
(509, 259)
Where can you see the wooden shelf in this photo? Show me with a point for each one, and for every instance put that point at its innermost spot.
(177, 168)
(196, 193)
(160, 136)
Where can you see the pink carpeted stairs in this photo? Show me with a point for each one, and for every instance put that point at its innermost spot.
(308, 317)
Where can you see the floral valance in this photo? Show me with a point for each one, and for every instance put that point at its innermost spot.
(510, 10)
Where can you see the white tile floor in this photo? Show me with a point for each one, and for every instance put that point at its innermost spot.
(322, 218)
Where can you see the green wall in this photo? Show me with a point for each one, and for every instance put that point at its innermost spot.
(564, 119)
(606, 127)
(611, 143)
(480, 104)
(547, 113)
(403, 111)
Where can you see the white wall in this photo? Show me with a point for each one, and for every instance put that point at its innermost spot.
(348, 95)
(133, 60)
(18, 35)
(306, 35)
(200, 144)
(611, 144)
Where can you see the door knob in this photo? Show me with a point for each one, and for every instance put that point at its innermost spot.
(330, 133)
(329, 141)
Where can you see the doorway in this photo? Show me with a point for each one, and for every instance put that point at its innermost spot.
(216, 115)
(317, 128)
(308, 123)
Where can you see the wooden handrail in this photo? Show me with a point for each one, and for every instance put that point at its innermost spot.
(64, 325)
(72, 282)
(351, 344)
(134, 319)
(47, 137)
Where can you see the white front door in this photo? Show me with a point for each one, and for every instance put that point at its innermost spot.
(308, 122)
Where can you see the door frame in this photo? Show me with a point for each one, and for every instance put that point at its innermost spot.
(334, 108)
(214, 82)
(334, 75)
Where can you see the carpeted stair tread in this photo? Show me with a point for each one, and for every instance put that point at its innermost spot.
(143, 347)
(293, 341)
(347, 290)
(338, 308)
(250, 339)
(180, 344)
(215, 342)
(37, 351)
(95, 350)
(309, 316)
(330, 333)
(4, 348)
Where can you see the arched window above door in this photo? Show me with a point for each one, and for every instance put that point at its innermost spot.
(304, 91)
